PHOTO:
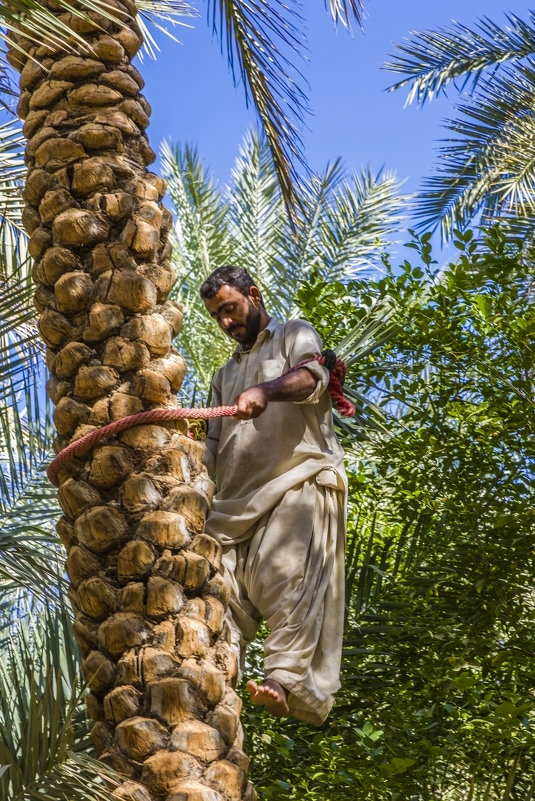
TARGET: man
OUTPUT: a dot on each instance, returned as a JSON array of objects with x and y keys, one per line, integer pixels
[{"x": 279, "y": 508}]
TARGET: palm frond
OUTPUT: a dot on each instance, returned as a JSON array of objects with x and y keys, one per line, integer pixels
[
  {"x": 257, "y": 222},
  {"x": 364, "y": 211},
  {"x": 8, "y": 89},
  {"x": 369, "y": 333},
  {"x": 316, "y": 192},
  {"x": 343, "y": 11},
  {"x": 43, "y": 735},
  {"x": 29, "y": 552},
  {"x": 262, "y": 39},
  {"x": 37, "y": 24},
  {"x": 12, "y": 173},
  {"x": 346, "y": 220},
  {"x": 19, "y": 349},
  {"x": 159, "y": 14},
  {"x": 201, "y": 225},
  {"x": 431, "y": 59},
  {"x": 31, "y": 556},
  {"x": 488, "y": 166},
  {"x": 374, "y": 329}
]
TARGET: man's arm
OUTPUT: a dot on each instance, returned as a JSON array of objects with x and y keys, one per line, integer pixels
[{"x": 295, "y": 386}]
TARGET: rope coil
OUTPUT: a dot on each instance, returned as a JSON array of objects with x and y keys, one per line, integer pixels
[{"x": 89, "y": 440}]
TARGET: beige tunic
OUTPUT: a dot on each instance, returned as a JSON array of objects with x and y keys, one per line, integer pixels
[{"x": 279, "y": 512}]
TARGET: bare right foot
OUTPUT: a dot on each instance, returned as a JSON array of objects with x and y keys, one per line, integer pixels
[{"x": 271, "y": 695}]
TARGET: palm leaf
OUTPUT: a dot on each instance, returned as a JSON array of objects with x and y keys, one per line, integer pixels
[
  {"x": 12, "y": 173},
  {"x": 488, "y": 166},
  {"x": 158, "y": 15},
  {"x": 201, "y": 243},
  {"x": 43, "y": 736},
  {"x": 258, "y": 225},
  {"x": 262, "y": 40},
  {"x": 364, "y": 211},
  {"x": 201, "y": 226},
  {"x": 343, "y": 11},
  {"x": 345, "y": 221},
  {"x": 29, "y": 552},
  {"x": 375, "y": 328},
  {"x": 316, "y": 194},
  {"x": 20, "y": 352},
  {"x": 36, "y": 23},
  {"x": 431, "y": 59}
]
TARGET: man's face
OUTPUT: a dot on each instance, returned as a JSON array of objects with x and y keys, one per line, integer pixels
[{"x": 238, "y": 316}]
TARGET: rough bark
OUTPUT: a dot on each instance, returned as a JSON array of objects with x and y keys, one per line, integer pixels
[{"x": 144, "y": 585}]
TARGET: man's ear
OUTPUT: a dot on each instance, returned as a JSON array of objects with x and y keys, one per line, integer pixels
[{"x": 256, "y": 295}]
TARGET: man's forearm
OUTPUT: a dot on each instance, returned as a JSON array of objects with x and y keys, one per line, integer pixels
[{"x": 295, "y": 386}]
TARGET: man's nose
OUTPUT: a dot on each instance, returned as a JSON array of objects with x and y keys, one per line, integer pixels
[{"x": 225, "y": 322}]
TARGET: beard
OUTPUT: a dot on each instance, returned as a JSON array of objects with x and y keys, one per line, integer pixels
[{"x": 251, "y": 326}]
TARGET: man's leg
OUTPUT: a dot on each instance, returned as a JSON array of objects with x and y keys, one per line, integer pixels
[
  {"x": 294, "y": 576},
  {"x": 241, "y": 616},
  {"x": 243, "y": 620}
]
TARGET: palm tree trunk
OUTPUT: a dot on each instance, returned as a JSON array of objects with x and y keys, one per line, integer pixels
[{"x": 145, "y": 586}]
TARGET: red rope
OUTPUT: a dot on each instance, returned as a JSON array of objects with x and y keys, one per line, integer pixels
[
  {"x": 93, "y": 437},
  {"x": 336, "y": 386}
]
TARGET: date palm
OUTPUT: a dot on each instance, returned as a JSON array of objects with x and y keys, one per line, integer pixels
[
  {"x": 486, "y": 162},
  {"x": 144, "y": 578}
]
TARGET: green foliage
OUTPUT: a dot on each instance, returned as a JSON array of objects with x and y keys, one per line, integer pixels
[
  {"x": 437, "y": 686},
  {"x": 343, "y": 220},
  {"x": 44, "y": 740},
  {"x": 29, "y": 548},
  {"x": 485, "y": 167}
]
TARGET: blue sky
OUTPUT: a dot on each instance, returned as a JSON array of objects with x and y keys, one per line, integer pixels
[{"x": 194, "y": 100}]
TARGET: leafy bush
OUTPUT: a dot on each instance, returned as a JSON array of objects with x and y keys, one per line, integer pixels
[{"x": 437, "y": 699}]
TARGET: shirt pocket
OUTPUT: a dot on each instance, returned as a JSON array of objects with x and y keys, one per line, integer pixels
[{"x": 268, "y": 369}]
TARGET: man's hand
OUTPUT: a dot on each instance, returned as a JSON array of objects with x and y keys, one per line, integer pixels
[{"x": 251, "y": 403}]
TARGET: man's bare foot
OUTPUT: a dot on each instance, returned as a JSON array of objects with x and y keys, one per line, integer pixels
[{"x": 271, "y": 695}]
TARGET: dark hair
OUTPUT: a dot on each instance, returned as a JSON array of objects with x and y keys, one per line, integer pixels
[{"x": 228, "y": 275}]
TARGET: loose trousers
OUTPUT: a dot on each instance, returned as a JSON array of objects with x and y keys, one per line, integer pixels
[{"x": 289, "y": 571}]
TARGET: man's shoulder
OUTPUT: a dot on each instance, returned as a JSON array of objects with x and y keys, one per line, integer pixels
[
  {"x": 296, "y": 327},
  {"x": 297, "y": 323}
]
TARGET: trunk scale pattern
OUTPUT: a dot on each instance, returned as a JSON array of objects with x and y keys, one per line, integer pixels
[{"x": 144, "y": 580}]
